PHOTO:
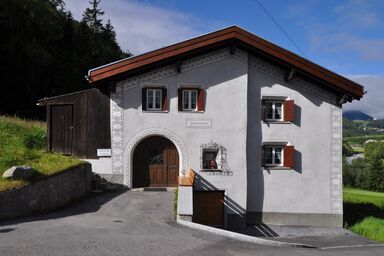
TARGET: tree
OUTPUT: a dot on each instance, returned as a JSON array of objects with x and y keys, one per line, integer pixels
[
  {"x": 92, "y": 16},
  {"x": 46, "y": 52},
  {"x": 360, "y": 171},
  {"x": 376, "y": 174},
  {"x": 348, "y": 177}
]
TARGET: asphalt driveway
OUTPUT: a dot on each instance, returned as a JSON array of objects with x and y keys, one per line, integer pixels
[{"x": 131, "y": 223}]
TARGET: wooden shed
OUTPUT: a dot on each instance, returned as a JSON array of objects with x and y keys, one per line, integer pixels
[{"x": 79, "y": 123}]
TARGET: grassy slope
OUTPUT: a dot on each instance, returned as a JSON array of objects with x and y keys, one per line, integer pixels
[
  {"x": 364, "y": 213},
  {"x": 354, "y": 195},
  {"x": 363, "y": 138},
  {"x": 14, "y": 152}
]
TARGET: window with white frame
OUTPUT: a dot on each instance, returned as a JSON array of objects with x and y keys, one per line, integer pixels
[
  {"x": 154, "y": 99},
  {"x": 189, "y": 100},
  {"x": 273, "y": 110},
  {"x": 273, "y": 155}
]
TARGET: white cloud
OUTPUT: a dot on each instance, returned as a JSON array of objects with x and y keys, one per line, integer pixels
[
  {"x": 366, "y": 48},
  {"x": 357, "y": 14},
  {"x": 372, "y": 103},
  {"x": 141, "y": 27},
  {"x": 351, "y": 27}
]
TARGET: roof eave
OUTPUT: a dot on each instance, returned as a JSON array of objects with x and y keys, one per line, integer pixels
[{"x": 255, "y": 43}]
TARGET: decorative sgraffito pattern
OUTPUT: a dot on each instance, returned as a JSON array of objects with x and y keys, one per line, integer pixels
[
  {"x": 335, "y": 122},
  {"x": 205, "y": 59},
  {"x": 117, "y": 135},
  {"x": 117, "y": 99},
  {"x": 297, "y": 84},
  {"x": 336, "y": 160},
  {"x": 171, "y": 69},
  {"x": 128, "y": 152},
  {"x": 223, "y": 168}
]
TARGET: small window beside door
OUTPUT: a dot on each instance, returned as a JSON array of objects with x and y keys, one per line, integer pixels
[{"x": 212, "y": 157}]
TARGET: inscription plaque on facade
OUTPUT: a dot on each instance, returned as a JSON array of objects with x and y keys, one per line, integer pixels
[{"x": 199, "y": 123}]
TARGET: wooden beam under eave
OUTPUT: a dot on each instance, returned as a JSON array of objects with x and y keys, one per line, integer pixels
[
  {"x": 289, "y": 74},
  {"x": 178, "y": 66}
]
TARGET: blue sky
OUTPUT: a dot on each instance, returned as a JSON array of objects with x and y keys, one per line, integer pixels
[{"x": 346, "y": 37}]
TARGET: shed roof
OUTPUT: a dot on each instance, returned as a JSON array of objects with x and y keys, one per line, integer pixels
[{"x": 233, "y": 36}]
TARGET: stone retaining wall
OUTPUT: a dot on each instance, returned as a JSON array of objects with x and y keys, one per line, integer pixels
[{"x": 48, "y": 194}]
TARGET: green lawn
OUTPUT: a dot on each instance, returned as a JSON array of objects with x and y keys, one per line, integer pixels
[
  {"x": 23, "y": 142},
  {"x": 358, "y": 149},
  {"x": 364, "y": 213},
  {"x": 361, "y": 139},
  {"x": 354, "y": 195}
]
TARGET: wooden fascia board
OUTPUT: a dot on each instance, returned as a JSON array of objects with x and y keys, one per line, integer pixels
[
  {"x": 233, "y": 33},
  {"x": 151, "y": 57},
  {"x": 302, "y": 64}
]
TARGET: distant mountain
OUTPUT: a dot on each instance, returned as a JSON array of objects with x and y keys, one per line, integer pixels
[{"x": 356, "y": 115}]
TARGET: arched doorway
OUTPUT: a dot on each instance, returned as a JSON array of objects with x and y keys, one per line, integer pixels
[{"x": 155, "y": 163}]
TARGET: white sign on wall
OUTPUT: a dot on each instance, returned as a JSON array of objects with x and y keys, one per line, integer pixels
[
  {"x": 104, "y": 152},
  {"x": 199, "y": 123}
]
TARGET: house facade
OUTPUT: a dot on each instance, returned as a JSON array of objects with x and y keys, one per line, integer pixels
[{"x": 260, "y": 126}]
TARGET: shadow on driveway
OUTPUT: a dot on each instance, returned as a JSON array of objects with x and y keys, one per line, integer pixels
[{"x": 89, "y": 204}]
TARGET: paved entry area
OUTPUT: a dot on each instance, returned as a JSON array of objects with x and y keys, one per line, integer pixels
[
  {"x": 131, "y": 223},
  {"x": 321, "y": 237}
]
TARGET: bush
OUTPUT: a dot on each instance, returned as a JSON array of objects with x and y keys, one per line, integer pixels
[
  {"x": 347, "y": 150},
  {"x": 36, "y": 139},
  {"x": 370, "y": 227}
]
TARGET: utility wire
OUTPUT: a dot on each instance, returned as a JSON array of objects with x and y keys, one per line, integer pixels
[{"x": 279, "y": 27}]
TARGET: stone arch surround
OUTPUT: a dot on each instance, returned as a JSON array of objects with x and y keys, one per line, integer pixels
[{"x": 140, "y": 136}]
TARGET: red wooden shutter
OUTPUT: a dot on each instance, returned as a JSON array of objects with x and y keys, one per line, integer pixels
[
  {"x": 144, "y": 98},
  {"x": 289, "y": 156},
  {"x": 289, "y": 111},
  {"x": 262, "y": 110},
  {"x": 164, "y": 94},
  {"x": 200, "y": 100},
  {"x": 180, "y": 99}
]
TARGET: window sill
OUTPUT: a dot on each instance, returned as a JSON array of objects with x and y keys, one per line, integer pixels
[
  {"x": 211, "y": 170},
  {"x": 276, "y": 168},
  {"x": 155, "y": 111},
  {"x": 191, "y": 111},
  {"x": 275, "y": 122}
]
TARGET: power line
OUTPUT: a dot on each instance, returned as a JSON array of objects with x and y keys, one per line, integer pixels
[{"x": 280, "y": 27}]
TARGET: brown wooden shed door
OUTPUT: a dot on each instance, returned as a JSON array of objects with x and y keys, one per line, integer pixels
[
  {"x": 208, "y": 208},
  {"x": 61, "y": 122},
  {"x": 155, "y": 163}
]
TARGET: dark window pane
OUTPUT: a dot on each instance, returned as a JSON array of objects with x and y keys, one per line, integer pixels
[
  {"x": 268, "y": 155},
  {"x": 155, "y": 156},
  {"x": 268, "y": 110},
  {"x": 278, "y": 151},
  {"x": 209, "y": 159},
  {"x": 185, "y": 99},
  {"x": 278, "y": 110},
  {"x": 193, "y": 99}
]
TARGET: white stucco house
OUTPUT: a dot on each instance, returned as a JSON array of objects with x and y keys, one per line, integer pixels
[{"x": 260, "y": 126}]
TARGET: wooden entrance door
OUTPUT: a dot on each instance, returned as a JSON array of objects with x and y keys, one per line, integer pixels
[
  {"x": 155, "y": 163},
  {"x": 208, "y": 208},
  {"x": 61, "y": 122}
]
